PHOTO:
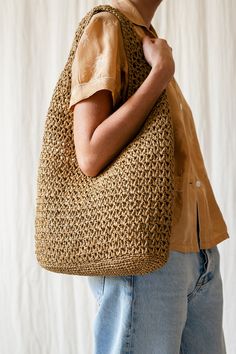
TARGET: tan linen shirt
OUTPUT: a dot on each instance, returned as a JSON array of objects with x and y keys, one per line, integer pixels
[{"x": 100, "y": 63}]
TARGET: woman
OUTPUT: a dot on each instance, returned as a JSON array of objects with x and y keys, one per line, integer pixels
[{"x": 177, "y": 308}]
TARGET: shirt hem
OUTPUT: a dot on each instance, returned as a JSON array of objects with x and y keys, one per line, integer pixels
[{"x": 205, "y": 245}]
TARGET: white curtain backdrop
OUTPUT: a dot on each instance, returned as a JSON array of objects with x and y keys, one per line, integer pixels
[{"x": 47, "y": 313}]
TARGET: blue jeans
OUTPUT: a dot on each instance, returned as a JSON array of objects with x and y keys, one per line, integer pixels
[{"x": 175, "y": 309}]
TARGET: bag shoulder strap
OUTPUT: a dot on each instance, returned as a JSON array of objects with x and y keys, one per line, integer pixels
[{"x": 138, "y": 67}]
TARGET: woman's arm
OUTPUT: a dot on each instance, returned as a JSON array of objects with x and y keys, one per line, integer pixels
[{"x": 100, "y": 133}]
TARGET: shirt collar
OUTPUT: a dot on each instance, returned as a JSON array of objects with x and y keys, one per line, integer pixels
[{"x": 130, "y": 11}]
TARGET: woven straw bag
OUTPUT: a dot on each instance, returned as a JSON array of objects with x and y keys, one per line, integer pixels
[{"x": 119, "y": 222}]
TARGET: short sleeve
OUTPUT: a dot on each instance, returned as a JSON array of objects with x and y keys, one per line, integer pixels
[{"x": 97, "y": 62}]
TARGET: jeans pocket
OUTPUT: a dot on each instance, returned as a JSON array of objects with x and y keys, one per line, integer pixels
[{"x": 96, "y": 285}]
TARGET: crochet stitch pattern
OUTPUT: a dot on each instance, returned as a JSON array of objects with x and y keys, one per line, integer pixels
[{"x": 118, "y": 222}]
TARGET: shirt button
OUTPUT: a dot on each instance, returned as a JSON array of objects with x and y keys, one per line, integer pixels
[
  {"x": 198, "y": 183},
  {"x": 181, "y": 106}
]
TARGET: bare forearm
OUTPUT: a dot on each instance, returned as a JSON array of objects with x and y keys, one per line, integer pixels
[{"x": 121, "y": 126}]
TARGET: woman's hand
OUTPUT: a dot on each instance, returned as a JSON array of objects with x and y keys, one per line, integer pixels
[{"x": 159, "y": 55}]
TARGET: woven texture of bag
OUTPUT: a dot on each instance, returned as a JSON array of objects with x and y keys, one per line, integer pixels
[{"x": 119, "y": 222}]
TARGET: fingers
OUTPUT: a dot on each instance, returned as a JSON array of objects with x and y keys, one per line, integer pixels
[
  {"x": 146, "y": 37},
  {"x": 154, "y": 39}
]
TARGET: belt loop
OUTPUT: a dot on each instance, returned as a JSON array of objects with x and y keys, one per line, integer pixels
[{"x": 206, "y": 259}]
